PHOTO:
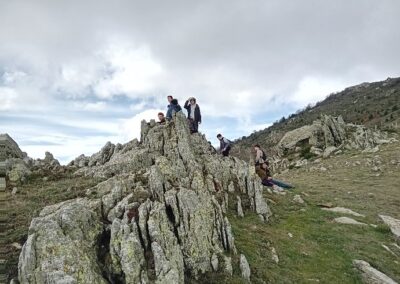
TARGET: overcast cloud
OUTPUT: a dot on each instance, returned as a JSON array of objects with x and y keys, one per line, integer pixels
[{"x": 76, "y": 74}]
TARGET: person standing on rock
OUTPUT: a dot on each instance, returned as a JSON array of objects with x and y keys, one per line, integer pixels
[
  {"x": 194, "y": 115},
  {"x": 225, "y": 145},
  {"x": 173, "y": 107},
  {"x": 161, "y": 118}
]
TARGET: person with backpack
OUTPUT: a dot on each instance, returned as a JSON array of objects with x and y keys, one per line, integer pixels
[
  {"x": 261, "y": 157},
  {"x": 173, "y": 107},
  {"x": 194, "y": 115},
  {"x": 225, "y": 145}
]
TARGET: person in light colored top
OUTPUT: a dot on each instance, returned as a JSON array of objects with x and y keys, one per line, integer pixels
[
  {"x": 224, "y": 145},
  {"x": 194, "y": 114}
]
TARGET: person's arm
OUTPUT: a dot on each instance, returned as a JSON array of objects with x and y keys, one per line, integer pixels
[
  {"x": 258, "y": 155},
  {"x": 187, "y": 106},
  {"x": 199, "y": 113}
]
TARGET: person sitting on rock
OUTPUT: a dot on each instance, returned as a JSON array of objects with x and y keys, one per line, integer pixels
[
  {"x": 261, "y": 157},
  {"x": 172, "y": 108},
  {"x": 266, "y": 178},
  {"x": 194, "y": 115},
  {"x": 225, "y": 145},
  {"x": 161, "y": 118}
]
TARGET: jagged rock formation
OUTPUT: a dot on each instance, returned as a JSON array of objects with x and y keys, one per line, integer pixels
[
  {"x": 160, "y": 217},
  {"x": 16, "y": 165},
  {"x": 325, "y": 137},
  {"x": 331, "y": 132}
]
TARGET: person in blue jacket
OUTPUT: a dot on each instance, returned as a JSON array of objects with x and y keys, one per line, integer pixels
[
  {"x": 173, "y": 107},
  {"x": 194, "y": 114}
]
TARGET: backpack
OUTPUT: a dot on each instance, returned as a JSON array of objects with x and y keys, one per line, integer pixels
[{"x": 264, "y": 156}]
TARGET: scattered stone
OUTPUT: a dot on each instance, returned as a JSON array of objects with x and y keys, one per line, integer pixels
[
  {"x": 275, "y": 256},
  {"x": 370, "y": 274},
  {"x": 371, "y": 150},
  {"x": 297, "y": 199},
  {"x": 348, "y": 221},
  {"x": 323, "y": 169},
  {"x": 290, "y": 235},
  {"x": 16, "y": 246},
  {"x": 214, "y": 262},
  {"x": 343, "y": 211},
  {"x": 329, "y": 151},
  {"x": 45, "y": 178},
  {"x": 326, "y": 205},
  {"x": 244, "y": 268},
  {"x": 388, "y": 249},
  {"x": 14, "y": 191},
  {"x": 375, "y": 169},
  {"x": 239, "y": 207},
  {"x": 394, "y": 225}
]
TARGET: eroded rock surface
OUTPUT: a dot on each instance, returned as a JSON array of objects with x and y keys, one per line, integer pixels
[{"x": 160, "y": 217}]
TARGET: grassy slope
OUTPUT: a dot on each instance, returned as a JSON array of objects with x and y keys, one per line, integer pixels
[{"x": 320, "y": 249}]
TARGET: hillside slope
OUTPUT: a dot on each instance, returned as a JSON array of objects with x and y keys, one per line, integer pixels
[{"x": 371, "y": 104}]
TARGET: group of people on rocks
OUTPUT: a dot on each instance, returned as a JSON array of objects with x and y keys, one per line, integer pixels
[{"x": 194, "y": 119}]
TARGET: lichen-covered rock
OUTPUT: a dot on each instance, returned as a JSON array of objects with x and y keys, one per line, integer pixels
[
  {"x": 160, "y": 217},
  {"x": 62, "y": 245}
]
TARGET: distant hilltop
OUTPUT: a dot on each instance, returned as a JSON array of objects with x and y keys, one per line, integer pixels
[{"x": 9, "y": 148}]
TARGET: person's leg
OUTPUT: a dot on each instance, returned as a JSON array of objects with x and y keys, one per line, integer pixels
[
  {"x": 191, "y": 127},
  {"x": 281, "y": 184},
  {"x": 195, "y": 126}
]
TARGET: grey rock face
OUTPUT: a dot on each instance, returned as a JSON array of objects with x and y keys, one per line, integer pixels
[
  {"x": 244, "y": 268},
  {"x": 371, "y": 275},
  {"x": 158, "y": 218},
  {"x": 394, "y": 225},
  {"x": 329, "y": 132}
]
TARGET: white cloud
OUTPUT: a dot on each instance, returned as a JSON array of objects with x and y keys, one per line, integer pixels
[
  {"x": 133, "y": 71},
  {"x": 97, "y": 106},
  {"x": 312, "y": 89},
  {"x": 8, "y": 97}
]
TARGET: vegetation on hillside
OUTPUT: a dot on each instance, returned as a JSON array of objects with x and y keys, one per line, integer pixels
[{"x": 371, "y": 104}]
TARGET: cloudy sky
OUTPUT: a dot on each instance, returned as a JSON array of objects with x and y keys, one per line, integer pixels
[{"x": 76, "y": 74}]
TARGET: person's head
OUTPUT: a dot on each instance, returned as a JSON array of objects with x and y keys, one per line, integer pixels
[
  {"x": 161, "y": 116},
  {"x": 174, "y": 101},
  {"x": 219, "y": 136},
  {"x": 257, "y": 147},
  {"x": 192, "y": 101},
  {"x": 169, "y": 98}
]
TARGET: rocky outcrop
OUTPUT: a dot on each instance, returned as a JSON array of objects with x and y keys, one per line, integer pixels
[
  {"x": 371, "y": 275},
  {"x": 394, "y": 225},
  {"x": 328, "y": 134},
  {"x": 160, "y": 217},
  {"x": 328, "y": 131}
]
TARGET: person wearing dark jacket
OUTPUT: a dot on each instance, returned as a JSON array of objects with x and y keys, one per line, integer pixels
[
  {"x": 194, "y": 115},
  {"x": 225, "y": 145},
  {"x": 173, "y": 107}
]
